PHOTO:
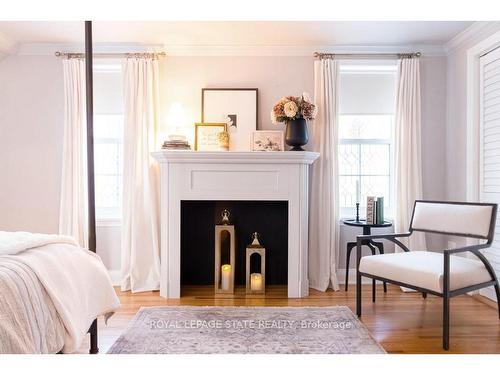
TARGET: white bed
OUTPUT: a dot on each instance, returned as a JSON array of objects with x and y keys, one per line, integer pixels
[{"x": 51, "y": 291}]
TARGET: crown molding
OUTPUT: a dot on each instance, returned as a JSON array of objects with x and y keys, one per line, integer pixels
[
  {"x": 295, "y": 50},
  {"x": 48, "y": 49},
  {"x": 41, "y": 49},
  {"x": 474, "y": 33}
]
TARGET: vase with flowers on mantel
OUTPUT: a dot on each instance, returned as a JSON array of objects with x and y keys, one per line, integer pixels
[{"x": 294, "y": 111}]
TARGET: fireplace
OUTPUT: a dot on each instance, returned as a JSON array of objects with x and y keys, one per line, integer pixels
[
  {"x": 280, "y": 178},
  {"x": 268, "y": 218}
]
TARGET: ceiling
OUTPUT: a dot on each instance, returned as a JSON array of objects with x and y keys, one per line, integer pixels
[
  {"x": 239, "y": 33},
  {"x": 261, "y": 33}
]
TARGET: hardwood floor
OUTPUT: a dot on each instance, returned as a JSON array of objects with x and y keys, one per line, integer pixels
[{"x": 400, "y": 322}]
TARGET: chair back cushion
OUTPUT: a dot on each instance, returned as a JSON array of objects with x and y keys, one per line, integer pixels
[{"x": 457, "y": 218}]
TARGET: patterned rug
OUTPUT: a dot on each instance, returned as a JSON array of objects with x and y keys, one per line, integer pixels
[{"x": 263, "y": 330}]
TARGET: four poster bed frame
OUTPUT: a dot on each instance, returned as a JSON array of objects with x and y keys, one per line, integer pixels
[{"x": 89, "y": 84}]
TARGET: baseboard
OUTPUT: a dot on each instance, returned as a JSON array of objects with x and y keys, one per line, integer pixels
[
  {"x": 352, "y": 277},
  {"x": 115, "y": 276}
]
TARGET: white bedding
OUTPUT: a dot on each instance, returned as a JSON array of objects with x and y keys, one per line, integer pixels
[{"x": 75, "y": 279}]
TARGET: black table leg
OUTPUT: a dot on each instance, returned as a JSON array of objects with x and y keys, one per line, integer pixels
[
  {"x": 350, "y": 246},
  {"x": 380, "y": 247},
  {"x": 372, "y": 248}
]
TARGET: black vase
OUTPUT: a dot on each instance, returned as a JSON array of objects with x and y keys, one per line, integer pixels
[{"x": 296, "y": 134}]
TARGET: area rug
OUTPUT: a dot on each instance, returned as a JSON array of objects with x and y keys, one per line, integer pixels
[{"x": 242, "y": 330}]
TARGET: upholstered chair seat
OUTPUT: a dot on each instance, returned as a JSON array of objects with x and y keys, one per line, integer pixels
[{"x": 424, "y": 269}]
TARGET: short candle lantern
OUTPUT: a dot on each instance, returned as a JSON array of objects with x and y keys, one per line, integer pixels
[
  {"x": 256, "y": 281},
  {"x": 224, "y": 268}
]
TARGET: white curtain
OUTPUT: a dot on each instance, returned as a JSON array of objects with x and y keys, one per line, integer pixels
[
  {"x": 324, "y": 203},
  {"x": 140, "y": 230},
  {"x": 73, "y": 209},
  {"x": 407, "y": 148}
]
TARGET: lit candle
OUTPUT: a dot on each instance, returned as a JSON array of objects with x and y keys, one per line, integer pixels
[
  {"x": 255, "y": 282},
  {"x": 225, "y": 276}
]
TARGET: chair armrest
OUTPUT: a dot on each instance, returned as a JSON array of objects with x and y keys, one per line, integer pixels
[{"x": 472, "y": 248}]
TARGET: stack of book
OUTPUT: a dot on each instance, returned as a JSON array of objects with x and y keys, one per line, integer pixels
[
  {"x": 176, "y": 145},
  {"x": 375, "y": 210}
]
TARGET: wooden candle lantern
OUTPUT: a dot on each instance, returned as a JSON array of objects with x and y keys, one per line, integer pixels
[
  {"x": 256, "y": 281},
  {"x": 224, "y": 268}
]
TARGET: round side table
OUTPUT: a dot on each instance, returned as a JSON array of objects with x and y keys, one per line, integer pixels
[{"x": 370, "y": 243}]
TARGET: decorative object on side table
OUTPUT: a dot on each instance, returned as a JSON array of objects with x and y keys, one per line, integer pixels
[
  {"x": 375, "y": 210},
  {"x": 206, "y": 136},
  {"x": 224, "y": 263},
  {"x": 295, "y": 111},
  {"x": 256, "y": 279},
  {"x": 267, "y": 140},
  {"x": 237, "y": 107}
]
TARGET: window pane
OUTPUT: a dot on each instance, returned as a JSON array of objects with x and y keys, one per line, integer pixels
[
  {"x": 365, "y": 126},
  {"x": 108, "y": 126},
  {"x": 347, "y": 191},
  {"x": 377, "y": 186},
  {"x": 107, "y": 191},
  {"x": 375, "y": 159},
  {"x": 107, "y": 158},
  {"x": 349, "y": 159}
]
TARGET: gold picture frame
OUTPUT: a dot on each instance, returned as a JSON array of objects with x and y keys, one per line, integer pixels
[{"x": 205, "y": 135}]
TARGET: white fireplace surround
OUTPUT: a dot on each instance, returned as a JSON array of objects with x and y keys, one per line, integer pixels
[{"x": 239, "y": 176}]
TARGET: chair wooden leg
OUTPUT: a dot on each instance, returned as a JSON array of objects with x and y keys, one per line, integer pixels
[
  {"x": 380, "y": 247},
  {"x": 446, "y": 302},
  {"x": 358, "y": 280},
  {"x": 446, "y": 322},
  {"x": 497, "y": 291}
]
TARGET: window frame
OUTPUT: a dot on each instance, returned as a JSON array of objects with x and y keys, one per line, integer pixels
[
  {"x": 111, "y": 66},
  {"x": 370, "y": 67}
]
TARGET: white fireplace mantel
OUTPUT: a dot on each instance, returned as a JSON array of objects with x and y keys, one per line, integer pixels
[{"x": 265, "y": 176}]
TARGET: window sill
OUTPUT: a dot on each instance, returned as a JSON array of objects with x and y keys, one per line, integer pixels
[{"x": 108, "y": 222}]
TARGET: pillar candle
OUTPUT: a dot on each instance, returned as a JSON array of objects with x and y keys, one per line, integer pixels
[
  {"x": 225, "y": 276},
  {"x": 255, "y": 282}
]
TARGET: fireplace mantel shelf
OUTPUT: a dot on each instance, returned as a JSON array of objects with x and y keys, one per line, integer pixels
[
  {"x": 254, "y": 157},
  {"x": 234, "y": 176}
]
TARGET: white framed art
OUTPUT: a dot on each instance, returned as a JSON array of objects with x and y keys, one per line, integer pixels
[
  {"x": 237, "y": 107},
  {"x": 267, "y": 140}
]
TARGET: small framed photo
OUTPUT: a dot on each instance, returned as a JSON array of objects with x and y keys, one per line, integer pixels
[
  {"x": 267, "y": 140},
  {"x": 205, "y": 135}
]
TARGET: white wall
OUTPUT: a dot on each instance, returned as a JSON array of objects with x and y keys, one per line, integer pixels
[
  {"x": 182, "y": 79},
  {"x": 31, "y": 133},
  {"x": 31, "y": 125}
]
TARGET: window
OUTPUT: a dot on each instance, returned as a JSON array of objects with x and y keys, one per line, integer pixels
[
  {"x": 366, "y": 136},
  {"x": 108, "y": 141}
]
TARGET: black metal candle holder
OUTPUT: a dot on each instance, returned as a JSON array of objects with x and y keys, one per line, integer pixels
[{"x": 357, "y": 212}]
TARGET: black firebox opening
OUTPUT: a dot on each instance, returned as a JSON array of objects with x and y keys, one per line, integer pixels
[{"x": 198, "y": 220}]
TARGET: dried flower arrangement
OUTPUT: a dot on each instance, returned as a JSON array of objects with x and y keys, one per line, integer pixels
[{"x": 293, "y": 107}]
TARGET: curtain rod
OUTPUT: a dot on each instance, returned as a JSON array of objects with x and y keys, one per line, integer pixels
[
  {"x": 366, "y": 55},
  {"x": 72, "y": 55}
]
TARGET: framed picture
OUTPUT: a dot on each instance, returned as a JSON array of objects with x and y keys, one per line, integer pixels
[
  {"x": 237, "y": 107},
  {"x": 205, "y": 136},
  {"x": 267, "y": 140}
]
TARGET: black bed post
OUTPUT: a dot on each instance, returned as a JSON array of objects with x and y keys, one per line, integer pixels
[{"x": 94, "y": 349}]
